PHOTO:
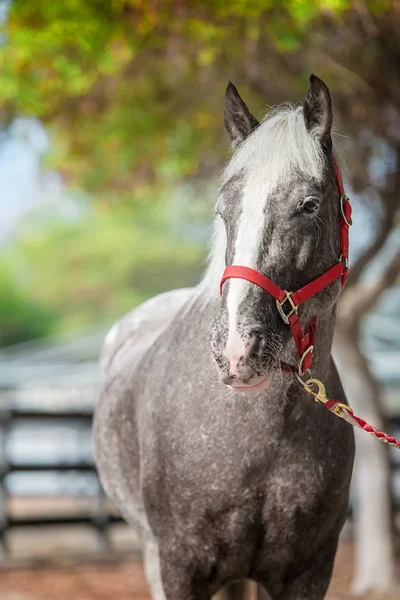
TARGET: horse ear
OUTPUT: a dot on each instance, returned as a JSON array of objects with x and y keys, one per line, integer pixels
[
  {"x": 317, "y": 111},
  {"x": 239, "y": 121}
]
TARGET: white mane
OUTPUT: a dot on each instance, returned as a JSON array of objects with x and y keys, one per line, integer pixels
[{"x": 279, "y": 146}]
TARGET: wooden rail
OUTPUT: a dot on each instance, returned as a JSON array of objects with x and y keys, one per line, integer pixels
[{"x": 97, "y": 516}]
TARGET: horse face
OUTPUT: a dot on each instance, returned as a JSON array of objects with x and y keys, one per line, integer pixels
[{"x": 279, "y": 208}]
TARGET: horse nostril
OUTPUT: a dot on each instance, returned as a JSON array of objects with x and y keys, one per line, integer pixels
[
  {"x": 255, "y": 350},
  {"x": 257, "y": 345}
]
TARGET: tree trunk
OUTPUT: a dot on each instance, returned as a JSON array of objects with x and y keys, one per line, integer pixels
[{"x": 374, "y": 555}]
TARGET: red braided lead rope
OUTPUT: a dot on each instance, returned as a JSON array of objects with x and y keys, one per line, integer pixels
[
  {"x": 350, "y": 417},
  {"x": 344, "y": 412}
]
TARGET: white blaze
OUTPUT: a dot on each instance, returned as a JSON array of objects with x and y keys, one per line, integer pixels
[
  {"x": 247, "y": 245},
  {"x": 280, "y": 145}
]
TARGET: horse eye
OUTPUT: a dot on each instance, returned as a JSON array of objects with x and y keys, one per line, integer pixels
[{"x": 309, "y": 205}]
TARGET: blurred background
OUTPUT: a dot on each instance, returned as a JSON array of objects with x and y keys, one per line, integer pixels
[{"x": 111, "y": 145}]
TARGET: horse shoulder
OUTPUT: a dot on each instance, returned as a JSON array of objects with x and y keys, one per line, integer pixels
[{"x": 115, "y": 428}]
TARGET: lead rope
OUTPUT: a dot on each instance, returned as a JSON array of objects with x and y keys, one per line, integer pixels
[{"x": 316, "y": 388}]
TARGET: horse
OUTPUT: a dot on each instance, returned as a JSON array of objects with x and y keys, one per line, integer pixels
[{"x": 204, "y": 439}]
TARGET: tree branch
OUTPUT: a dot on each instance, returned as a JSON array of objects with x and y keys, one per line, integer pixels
[
  {"x": 371, "y": 294},
  {"x": 390, "y": 201},
  {"x": 362, "y": 298},
  {"x": 388, "y": 223}
]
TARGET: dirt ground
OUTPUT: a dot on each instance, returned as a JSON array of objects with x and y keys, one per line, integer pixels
[{"x": 122, "y": 581}]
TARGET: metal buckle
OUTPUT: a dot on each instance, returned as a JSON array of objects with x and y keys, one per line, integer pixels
[
  {"x": 344, "y": 198},
  {"x": 344, "y": 262},
  {"x": 320, "y": 393},
  {"x": 300, "y": 367},
  {"x": 341, "y": 406},
  {"x": 293, "y": 309}
]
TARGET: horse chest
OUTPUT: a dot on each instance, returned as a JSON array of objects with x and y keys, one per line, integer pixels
[
  {"x": 249, "y": 482},
  {"x": 239, "y": 507}
]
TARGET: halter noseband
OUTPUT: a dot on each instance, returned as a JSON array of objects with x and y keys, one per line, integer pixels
[{"x": 287, "y": 303}]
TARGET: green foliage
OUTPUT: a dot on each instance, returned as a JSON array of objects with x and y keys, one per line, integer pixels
[
  {"x": 133, "y": 88},
  {"x": 131, "y": 93},
  {"x": 21, "y": 319},
  {"x": 95, "y": 270}
]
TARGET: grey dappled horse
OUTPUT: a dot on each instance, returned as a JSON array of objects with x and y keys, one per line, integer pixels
[{"x": 220, "y": 459}]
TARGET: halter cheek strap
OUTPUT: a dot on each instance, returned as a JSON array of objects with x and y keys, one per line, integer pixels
[{"x": 287, "y": 303}]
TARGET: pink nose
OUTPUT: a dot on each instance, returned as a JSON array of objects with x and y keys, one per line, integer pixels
[{"x": 238, "y": 355}]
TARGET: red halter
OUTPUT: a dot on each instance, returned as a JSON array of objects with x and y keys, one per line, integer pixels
[{"x": 287, "y": 303}]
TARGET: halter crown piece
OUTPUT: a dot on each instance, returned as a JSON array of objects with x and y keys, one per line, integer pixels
[{"x": 287, "y": 304}]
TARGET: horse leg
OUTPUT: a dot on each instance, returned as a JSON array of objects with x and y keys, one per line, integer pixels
[
  {"x": 233, "y": 591},
  {"x": 152, "y": 570},
  {"x": 261, "y": 593},
  {"x": 182, "y": 580},
  {"x": 313, "y": 582},
  {"x": 239, "y": 590},
  {"x": 242, "y": 590}
]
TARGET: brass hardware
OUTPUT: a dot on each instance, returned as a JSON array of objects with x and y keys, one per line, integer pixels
[
  {"x": 344, "y": 260},
  {"x": 343, "y": 199},
  {"x": 320, "y": 394},
  {"x": 293, "y": 309},
  {"x": 306, "y": 351},
  {"x": 339, "y": 406}
]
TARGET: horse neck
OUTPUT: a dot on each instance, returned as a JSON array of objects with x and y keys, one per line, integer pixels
[{"x": 323, "y": 343}]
